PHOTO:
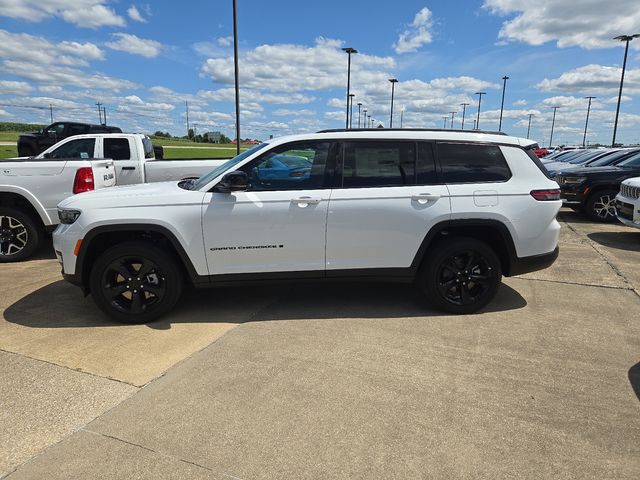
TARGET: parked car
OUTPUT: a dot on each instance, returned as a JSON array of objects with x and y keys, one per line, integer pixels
[
  {"x": 134, "y": 157},
  {"x": 593, "y": 158},
  {"x": 541, "y": 152},
  {"x": 33, "y": 143},
  {"x": 628, "y": 202},
  {"x": 30, "y": 191},
  {"x": 593, "y": 189},
  {"x": 443, "y": 209}
]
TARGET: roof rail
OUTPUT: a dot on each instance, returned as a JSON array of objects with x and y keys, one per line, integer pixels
[{"x": 339, "y": 130}]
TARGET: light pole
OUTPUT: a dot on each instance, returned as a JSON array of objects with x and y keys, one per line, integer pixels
[
  {"x": 453, "y": 114},
  {"x": 359, "y": 106},
  {"x": 553, "y": 122},
  {"x": 235, "y": 67},
  {"x": 393, "y": 85},
  {"x": 348, "y": 51},
  {"x": 51, "y": 112},
  {"x": 401, "y": 116},
  {"x": 477, "y": 127},
  {"x": 584, "y": 138},
  {"x": 464, "y": 108},
  {"x": 364, "y": 119},
  {"x": 504, "y": 87},
  {"x": 627, "y": 39},
  {"x": 351, "y": 95},
  {"x": 529, "y": 127},
  {"x": 369, "y": 122}
]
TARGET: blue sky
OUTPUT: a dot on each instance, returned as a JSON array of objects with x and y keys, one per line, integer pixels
[{"x": 144, "y": 60}]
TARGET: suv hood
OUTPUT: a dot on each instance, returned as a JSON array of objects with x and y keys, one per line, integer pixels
[
  {"x": 29, "y": 134},
  {"x": 147, "y": 194},
  {"x": 578, "y": 172},
  {"x": 632, "y": 182}
]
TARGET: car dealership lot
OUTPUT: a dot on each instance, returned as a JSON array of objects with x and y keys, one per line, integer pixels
[{"x": 279, "y": 382}]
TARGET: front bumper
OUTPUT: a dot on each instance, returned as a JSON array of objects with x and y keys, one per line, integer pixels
[{"x": 628, "y": 211}]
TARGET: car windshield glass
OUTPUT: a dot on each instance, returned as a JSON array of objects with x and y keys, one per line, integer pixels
[
  {"x": 633, "y": 161},
  {"x": 585, "y": 157},
  {"x": 609, "y": 158},
  {"x": 228, "y": 165}
]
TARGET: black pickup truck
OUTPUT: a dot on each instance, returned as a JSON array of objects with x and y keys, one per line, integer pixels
[
  {"x": 593, "y": 190},
  {"x": 32, "y": 143}
]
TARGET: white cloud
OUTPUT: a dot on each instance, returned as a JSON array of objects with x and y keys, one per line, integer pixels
[
  {"x": 593, "y": 80},
  {"x": 587, "y": 23},
  {"x": 133, "y": 103},
  {"x": 134, "y": 45},
  {"x": 8, "y": 87},
  {"x": 225, "y": 41},
  {"x": 85, "y": 50},
  {"x": 416, "y": 34},
  {"x": 82, "y": 13},
  {"x": 134, "y": 14},
  {"x": 285, "y": 112},
  {"x": 520, "y": 103},
  {"x": 228, "y": 95}
]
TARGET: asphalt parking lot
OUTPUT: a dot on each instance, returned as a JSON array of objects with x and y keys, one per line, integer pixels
[{"x": 340, "y": 381}]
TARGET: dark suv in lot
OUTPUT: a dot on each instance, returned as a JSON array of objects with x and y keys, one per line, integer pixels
[
  {"x": 32, "y": 143},
  {"x": 594, "y": 189}
]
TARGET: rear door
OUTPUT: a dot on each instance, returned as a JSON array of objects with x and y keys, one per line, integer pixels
[
  {"x": 125, "y": 158},
  {"x": 387, "y": 198}
]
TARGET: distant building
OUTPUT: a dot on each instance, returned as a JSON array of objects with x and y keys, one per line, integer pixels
[{"x": 213, "y": 136}]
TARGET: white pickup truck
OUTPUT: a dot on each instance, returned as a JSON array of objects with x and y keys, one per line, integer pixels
[
  {"x": 133, "y": 157},
  {"x": 30, "y": 190}
]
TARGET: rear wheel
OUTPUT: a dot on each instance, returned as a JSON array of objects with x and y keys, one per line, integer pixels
[
  {"x": 19, "y": 235},
  {"x": 601, "y": 206},
  {"x": 460, "y": 276},
  {"x": 135, "y": 282}
]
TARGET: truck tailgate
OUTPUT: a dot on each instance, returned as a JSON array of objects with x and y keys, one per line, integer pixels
[{"x": 104, "y": 174}]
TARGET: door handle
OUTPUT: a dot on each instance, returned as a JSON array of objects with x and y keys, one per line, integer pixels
[
  {"x": 128, "y": 168},
  {"x": 304, "y": 201},
  {"x": 423, "y": 198}
]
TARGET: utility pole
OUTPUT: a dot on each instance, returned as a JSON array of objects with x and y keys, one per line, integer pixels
[
  {"x": 51, "y": 112},
  {"x": 477, "y": 127},
  {"x": 453, "y": 114},
  {"x": 186, "y": 106},
  {"x": 584, "y": 138},
  {"x": 504, "y": 87},
  {"x": 553, "y": 122},
  {"x": 445, "y": 118},
  {"x": 622, "y": 38},
  {"x": 99, "y": 111},
  {"x": 104, "y": 110},
  {"x": 235, "y": 68},
  {"x": 529, "y": 127},
  {"x": 464, "y": 108}
]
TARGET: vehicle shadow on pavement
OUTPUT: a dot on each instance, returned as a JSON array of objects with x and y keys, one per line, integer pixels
[
  {"x": 60, "y": 305},
  {"x": 629, "y": 241},
  {"x": 634, "y": 379}
]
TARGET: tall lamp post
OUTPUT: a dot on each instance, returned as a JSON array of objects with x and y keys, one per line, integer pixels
[
  {"x": 393, "y": 85},
  {"x": 529, "y": 127},
  {"x": 504, "y": 87},
  {"x": 453, "y": 114},
  {"x": 401, "y": 116},
  {"x": 359, "y": 106},
  {"x": 464, "y": 108},
  {"x": 584, "y": 138},
  {"x": 364, "y": 119},
  {"x": 235, "y": 66},
  {"x": 627, "y": 39},
  {"x": 369, "y": 121},
  {"x": 477, "y": 126},
  {"x": 348, "y": 51},
  {"x": 351, "y": 95},
  {"x": 553, "y": 122}
]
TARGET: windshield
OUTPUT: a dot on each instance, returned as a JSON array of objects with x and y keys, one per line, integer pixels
[
  {"x": 633, "y": 161},
  {"x": 610, "y": 157},
  {"x": 585, "y": 157},
  {"x": 228, "y": 165}
]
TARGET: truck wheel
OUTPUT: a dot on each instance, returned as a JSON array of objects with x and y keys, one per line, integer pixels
[
  {"x": 601, "y": 206},
  {"x": 19, "y": 235},
  {"x": 460, "y": 276},
  {"x": 135, "y": 282}
]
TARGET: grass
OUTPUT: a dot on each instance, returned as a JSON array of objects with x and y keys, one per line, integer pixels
[
  {"x": 8, "y": 151},
  {"x": 181, "y": 142},
  {"x": 9, "y": 136},
  {"x": 170, "y": 153}
]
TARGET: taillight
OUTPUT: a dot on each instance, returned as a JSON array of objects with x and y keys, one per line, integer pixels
[
  {"x": 546, "y": 195},
  {"x": 84, "y": 180}
]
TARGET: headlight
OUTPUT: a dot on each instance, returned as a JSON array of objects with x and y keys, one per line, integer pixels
[
  {"x": 574, "y": 180},
  {"x": 68, "y": 216}
]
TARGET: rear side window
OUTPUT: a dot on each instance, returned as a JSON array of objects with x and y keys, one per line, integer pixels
[
  {"x": 379, "y": 164},
  {"x": 117, "y": 149},
  {"x": 471, "y": 163}
]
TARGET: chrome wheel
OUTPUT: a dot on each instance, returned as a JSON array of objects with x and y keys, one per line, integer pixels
[
  {"x": 604, "y": 207},
  {"x": 13, "y": 236}
]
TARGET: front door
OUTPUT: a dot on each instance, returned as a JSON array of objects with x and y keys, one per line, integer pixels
[{"x": 278, "y": 224}]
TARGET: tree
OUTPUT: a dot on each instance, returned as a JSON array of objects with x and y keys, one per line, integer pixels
[{"x": 191, "y": 133}]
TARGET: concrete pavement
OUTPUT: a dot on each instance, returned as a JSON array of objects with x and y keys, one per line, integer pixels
[{"x": 359, "y": 381}]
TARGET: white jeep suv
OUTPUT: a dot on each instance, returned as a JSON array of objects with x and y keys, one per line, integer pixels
[
  {"x": 450, "y": 210},
  {"x": 628, "y": 202}
]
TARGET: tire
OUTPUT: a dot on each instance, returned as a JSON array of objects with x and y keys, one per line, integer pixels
[
  {"x": 450, "y": 274},
  {"x": 127, "y": 298},
  {"x": 20, "y": 235},
  {"x": 601, "y": 205}
]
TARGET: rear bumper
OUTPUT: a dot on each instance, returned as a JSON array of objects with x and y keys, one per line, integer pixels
[{"x": 522, "y": 265}]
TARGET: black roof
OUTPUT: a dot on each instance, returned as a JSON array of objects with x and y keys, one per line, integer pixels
[{"x": 339, "y": 130}]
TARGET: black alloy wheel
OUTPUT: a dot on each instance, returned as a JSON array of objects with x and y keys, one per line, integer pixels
[
  {"x": 19, "y": 235},
  {"x": 461, "y": 275},
  {"x": 136, "y": 282}
]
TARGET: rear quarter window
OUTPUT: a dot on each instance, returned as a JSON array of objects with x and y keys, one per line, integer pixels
[{"x": 472, "y": 163}]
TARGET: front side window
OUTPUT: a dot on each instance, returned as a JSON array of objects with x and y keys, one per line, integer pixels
[
  {"x": 378, "y": 164},
  {"x": 117, "y": 149},
  {"x": 80, "y": 148},
  {"x": 298, "y": 166},
  {"x": 472, "y": 163}
]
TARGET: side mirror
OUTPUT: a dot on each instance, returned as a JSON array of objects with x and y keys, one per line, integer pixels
[{"x": 233, "y": 182}]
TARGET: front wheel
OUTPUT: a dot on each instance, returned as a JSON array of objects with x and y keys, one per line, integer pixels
[
  {"x": 19, "y": 235},
  {"x": 135, "y": 282},
  {"x": 601, "y": 206},
  {"x": 460, "y": 276}
]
